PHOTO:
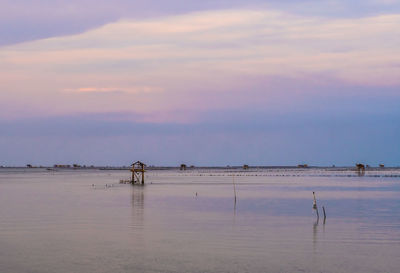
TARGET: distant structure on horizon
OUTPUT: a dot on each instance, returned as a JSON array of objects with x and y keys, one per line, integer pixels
[
  {"x": 302, "y": 166},
  {"x": 360, "y": 169},
  {"x": 183, "y": 167},
  {"x": 61, "y": 166}
]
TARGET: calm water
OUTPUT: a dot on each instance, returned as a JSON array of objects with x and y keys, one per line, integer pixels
[{"x": 58, "y": 222}]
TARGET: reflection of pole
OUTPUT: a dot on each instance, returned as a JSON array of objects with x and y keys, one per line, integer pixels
[
  {"x": 315, "y": 201},
  {"x": 323, "y": 209},
  {"x": 315, "y": 231}
]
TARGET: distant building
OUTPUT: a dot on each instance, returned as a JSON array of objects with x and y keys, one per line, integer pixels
[
  {"x": 245, "y": 167},
  {"x": 61, "y": 166},
  {"x": 302, "y": 166},
  {"x": 360, "y": 169},
  {"x": 183, "y": 167}
]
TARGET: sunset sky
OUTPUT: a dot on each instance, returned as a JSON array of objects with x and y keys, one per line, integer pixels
[{"x": 200, "y": 82}]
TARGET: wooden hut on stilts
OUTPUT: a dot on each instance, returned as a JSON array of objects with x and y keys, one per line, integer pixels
[{"x": 138, "y": 171}]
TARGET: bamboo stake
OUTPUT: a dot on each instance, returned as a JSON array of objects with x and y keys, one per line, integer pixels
[
  {"x": 234, "y": 187},
  {"x": 315, "y": 205},
  {"x": 315, "y": 201}
]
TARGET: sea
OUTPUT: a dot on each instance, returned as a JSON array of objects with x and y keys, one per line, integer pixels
[{"x": 199, "y": 220}]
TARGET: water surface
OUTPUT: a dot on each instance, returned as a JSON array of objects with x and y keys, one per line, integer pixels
[{"x": 57, "y": 221}]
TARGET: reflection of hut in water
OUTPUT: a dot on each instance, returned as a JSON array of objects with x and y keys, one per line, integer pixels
[
  {"x": 183, "y": 167},
  {"x": 360, "y": 169},
  {"x": 245, "y": 167},
  {"x": 138, "y": 198},
  {"x": 138, "y": 207},
  {"x": 138, "y": 172}
]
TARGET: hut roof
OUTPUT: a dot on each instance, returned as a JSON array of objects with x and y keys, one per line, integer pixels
[{"x": 139, "y": 163}]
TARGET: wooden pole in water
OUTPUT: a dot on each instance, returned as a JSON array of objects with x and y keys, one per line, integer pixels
[
  {"x": 315, "y": 205},
  {"x": 133, "y": 174},
  {"x": 323, "y": 209},
  {"x": 142, "y": 174},
  {"x": 315, "y": 201},
  {"x": 234, "y": 187}
]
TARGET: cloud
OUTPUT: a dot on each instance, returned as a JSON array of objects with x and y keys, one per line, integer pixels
[
  {"x": 384, "y": 2},
  {"x": 113, "y": 90},
  {"x": 225, "y": 59},
  {"x": 246, "y": 41},
  {"x": 22, "y": 21}
]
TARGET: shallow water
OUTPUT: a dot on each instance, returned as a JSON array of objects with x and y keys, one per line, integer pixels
[{"x": 56, "y": 221}]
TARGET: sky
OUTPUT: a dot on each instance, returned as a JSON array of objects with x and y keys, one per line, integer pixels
[{"x": 206, "y": 83}]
